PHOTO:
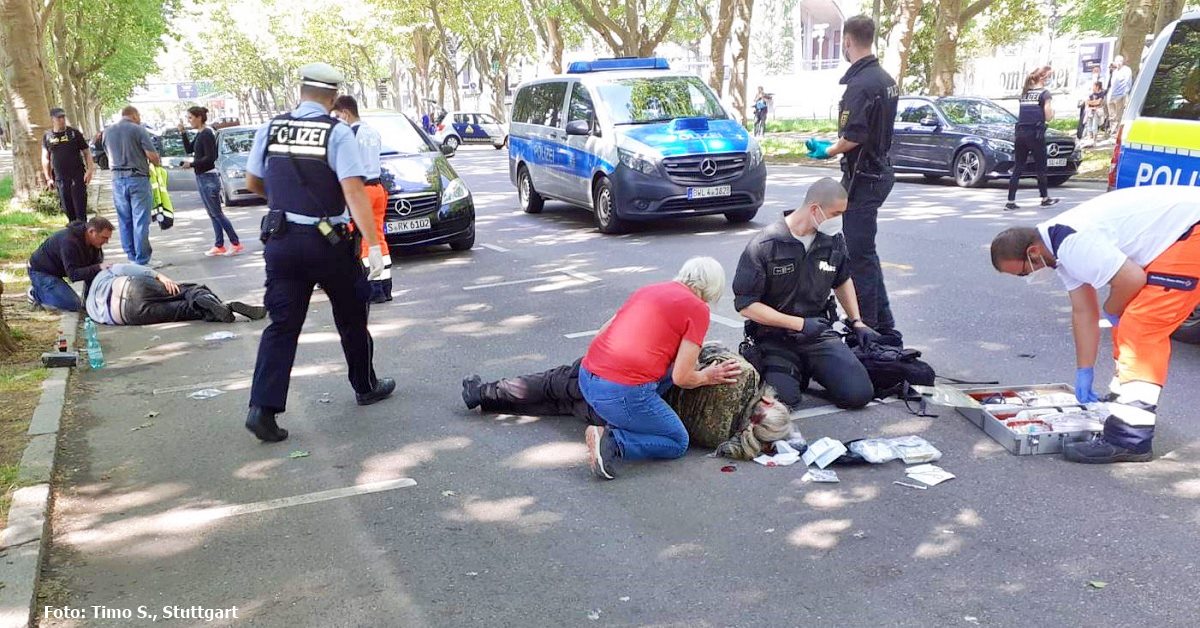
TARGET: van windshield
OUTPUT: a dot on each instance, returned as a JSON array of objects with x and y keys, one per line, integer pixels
[
  {"x": 1175, "y": 87},
  {"x": 645, "y": 100}
]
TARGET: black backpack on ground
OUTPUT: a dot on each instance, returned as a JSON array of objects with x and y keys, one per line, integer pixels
[{"x": 894, "y": 371}]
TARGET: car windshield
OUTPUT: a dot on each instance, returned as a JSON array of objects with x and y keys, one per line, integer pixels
[
  {"x": 233, "y": 142},
  {"x": 172, "y": 143},
  {"x": 400, "y": 137},
  {"x": 971, "y": 111},
  {"x": 645, "y": 100}
]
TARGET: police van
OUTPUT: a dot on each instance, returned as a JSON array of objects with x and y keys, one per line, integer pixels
[
  {"x": 631, "y": 139},
  {"x": 1158, "y": 142}
]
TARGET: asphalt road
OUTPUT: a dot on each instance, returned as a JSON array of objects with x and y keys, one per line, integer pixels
[{"x": 167, "y": 500}]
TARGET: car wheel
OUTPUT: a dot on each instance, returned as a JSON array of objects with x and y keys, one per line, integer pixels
[
  {"x": 1057, "y": 181},
  {"x": 452, "y": 141},
  {"x": 1189, "y": 331},
  {"x": 605, "y": 210},
  {"x": 225, "y": 198},
  {"x": 933, "y": 178},
  {"x": 531, "y": 201},
  {"x": 741, "y": 215},
  {"x": 464, "y": 243},
  {"x": 968, "y": 168}
]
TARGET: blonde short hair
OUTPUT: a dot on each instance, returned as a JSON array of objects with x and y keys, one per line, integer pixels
[{"x": 705, "y": 276}]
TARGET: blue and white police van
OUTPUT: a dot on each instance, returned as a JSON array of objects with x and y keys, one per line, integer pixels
[{"x": 632, "y": 140}]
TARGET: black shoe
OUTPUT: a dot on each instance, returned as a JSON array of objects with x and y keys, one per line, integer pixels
[
  {"x": 470, "y": 391},
  {"x": 602, "y": 452},
  {"x": 1048, "y": 201},
  {"x": 1009, "y": 206},
  {"x": 261, "y": 423},
  {"x": 1100, "y": 451},
  {"x": 252, "y": 312},
  {"x": 214, "y": 308},
  {"x": 383, "y": 389}
]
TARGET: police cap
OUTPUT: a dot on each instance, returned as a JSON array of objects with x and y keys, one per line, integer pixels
[{"x": 321, "y": 75}]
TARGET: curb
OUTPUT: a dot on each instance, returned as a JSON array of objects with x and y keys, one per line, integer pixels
[{"x": 27, "y": 536}]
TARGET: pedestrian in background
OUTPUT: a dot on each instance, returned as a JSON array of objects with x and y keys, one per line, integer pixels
[
  {"x": 761, "y": 106},
  {"x": 208, "y": 180},
  {"x": 1095, "y": 110},
  {"x": 1030, "y": 137},
  {"x": 1118, "y": 90},
  {"x": 67, "y": 165},
  {"x": 130, "y": 153},
  {"x": 309, "y": 168},
  {"x": 345, "y": 108}
]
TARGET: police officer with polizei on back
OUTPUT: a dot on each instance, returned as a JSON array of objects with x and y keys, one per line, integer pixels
[
  {"x": 308, "y": 166},
  {"x": 866, "y": 117}
]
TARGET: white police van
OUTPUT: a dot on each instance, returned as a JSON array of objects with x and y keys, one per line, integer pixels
[{"x": 632, "y": 140}]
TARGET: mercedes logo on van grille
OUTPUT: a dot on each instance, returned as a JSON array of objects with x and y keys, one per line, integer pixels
[
  {"x": 708, "y": 167},
  {"x": 1052, "y": 150},
  {"x": 403, "y": 207}
]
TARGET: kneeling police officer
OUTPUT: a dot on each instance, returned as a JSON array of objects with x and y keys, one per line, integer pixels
[
  {"x": 308, "y": 166},
  {"x": 782, "y": 285}
]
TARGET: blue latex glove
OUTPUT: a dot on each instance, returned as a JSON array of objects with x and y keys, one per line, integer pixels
[
  {"x": 1083, "y": 385},
  {"x": 1113, "y": 319},
  {"x": 818, "y": 149}
]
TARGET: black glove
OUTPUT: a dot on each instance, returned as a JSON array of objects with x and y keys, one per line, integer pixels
[
  {"x": 865, "y": 335},
  {"x": 813, "y": 329}
]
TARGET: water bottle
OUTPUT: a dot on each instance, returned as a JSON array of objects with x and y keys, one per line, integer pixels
[{"x": 95, "y": 353}]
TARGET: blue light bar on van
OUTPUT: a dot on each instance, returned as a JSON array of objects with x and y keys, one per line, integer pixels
[{"x": 623, "y": 63}]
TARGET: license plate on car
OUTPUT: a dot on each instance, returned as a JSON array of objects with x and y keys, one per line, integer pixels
[
  {"x": 406, "y": 226},
  {"x": 711, "y": 192},
  {"x": 1057, "y": 163}
]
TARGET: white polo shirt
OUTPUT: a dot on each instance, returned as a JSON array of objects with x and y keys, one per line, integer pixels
[{"x": 1092, "y": 240}]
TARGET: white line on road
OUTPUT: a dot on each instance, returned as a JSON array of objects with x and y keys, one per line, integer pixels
[
  {"x": 728, "y": 322},
  {"x": 568, "y": 274},
  {"x": 507, "y": 283},
  {"x": 809, "y": 413},
  {"x": 580, "y": 276},
  {"x": 582, "y": 334},
  {"x": 223, "y": 512},
  {"x": 186, "y": 387},
  {"x": 217, "y": 277},
  {"x": 498, "y": 249}
]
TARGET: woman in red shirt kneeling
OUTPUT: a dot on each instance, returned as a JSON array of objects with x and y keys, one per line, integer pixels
[{"x": 628, "y": 367}]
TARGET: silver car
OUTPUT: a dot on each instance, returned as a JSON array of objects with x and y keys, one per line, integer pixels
[{"x": 233, "y": 146}]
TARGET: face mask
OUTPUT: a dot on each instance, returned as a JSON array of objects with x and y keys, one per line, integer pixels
[
  {"x": 1039, "y": 276},
  {"x": 830, "y": 226}
]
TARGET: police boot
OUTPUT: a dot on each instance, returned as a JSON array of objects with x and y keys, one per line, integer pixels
[
  {"x": 383, "y": 389},
  {"x": 261, "y": 422},
  {"x": 470, "y": 391}
]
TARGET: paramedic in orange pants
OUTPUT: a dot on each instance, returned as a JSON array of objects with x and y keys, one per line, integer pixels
[
  {"x": 1143, "y": 243},
  {"x": 345, "y": 108}
]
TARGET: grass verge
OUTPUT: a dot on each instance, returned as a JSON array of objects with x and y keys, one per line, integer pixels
[{"x": 21, "y": 231}]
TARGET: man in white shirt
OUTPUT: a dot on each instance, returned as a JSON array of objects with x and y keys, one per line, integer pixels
[
  {"x": 1118, "y": 91},
  {"x": 345, "y": 108},
  {"x": 1144, "y": 244}
]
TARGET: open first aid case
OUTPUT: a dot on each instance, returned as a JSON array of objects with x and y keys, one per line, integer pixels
[{"x": 1025, "y": 420}]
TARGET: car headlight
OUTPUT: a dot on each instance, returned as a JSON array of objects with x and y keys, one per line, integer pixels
[
  {"x": 1003, "y": 146},
  {"x": 455, "y": 191},
  {"x": 641, "y": 163},
  {"x": 235, "y": 173},
  {"x": 756, "y": 154}
]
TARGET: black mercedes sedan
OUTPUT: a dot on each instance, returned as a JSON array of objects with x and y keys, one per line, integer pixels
[
  {"x": 428, "y": 203},
  {"x": 970, "y": 139}
]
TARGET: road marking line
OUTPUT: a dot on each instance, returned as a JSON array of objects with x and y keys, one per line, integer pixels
[
  {"x": 498, "y": 249},
  {"x": 506, "y": 283},
  {"x": 809, "y": 413},
  {"x": 895, "y": 266},
  {"x": 223, "y": 512},
  {"x": 218, "y": 277},
  {"x": 582, "y": 334},
  {"x": 580, "y": 276},
  {"x": 728, "y": 322},
  {"x": 186, "y": 387},
  {"x": 569, "y": 274}
]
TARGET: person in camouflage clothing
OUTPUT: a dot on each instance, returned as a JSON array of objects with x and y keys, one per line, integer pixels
[{"x": 735, "y": 419}]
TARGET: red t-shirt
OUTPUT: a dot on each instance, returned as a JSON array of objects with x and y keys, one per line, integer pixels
[{"x": 641, "y": 342}]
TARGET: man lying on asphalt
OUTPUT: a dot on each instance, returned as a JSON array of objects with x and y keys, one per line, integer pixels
[
  {"x": 1143, "y": 243},
  {"x": 129, "y": 294}
]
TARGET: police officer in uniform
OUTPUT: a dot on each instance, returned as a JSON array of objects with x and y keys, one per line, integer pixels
[
  {"x": 308, "y": 166},
  {"x": 1029, "y": 140},
  {"x": 867, "y": 114},
  {"x": 782, "y": 286},
  {"x": 67, "y": 165}
]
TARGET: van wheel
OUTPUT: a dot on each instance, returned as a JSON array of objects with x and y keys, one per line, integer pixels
[
  {"x": 1189, "y": 331},
  {"x": 605, "y": 210},
  {"x": 531, "y": 201},
  {"x": 968, "y": 168},
  {"x": 741, "y": 215}
]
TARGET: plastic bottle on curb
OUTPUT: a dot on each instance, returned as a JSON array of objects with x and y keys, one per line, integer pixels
[{"x": 95, "y": 353}]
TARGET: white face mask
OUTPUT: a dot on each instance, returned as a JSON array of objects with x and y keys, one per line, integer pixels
[
  {"x": 1041, "y": 275},
  {"x": 830, "y": 226}
]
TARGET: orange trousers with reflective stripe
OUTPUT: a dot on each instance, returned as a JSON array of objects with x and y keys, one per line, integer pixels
[
  {"x": 1142, "y": 339},
  {"x": 378, "y": 197}
]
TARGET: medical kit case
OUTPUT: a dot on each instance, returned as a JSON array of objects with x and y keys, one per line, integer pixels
[{"x": 1030, "y": 419}]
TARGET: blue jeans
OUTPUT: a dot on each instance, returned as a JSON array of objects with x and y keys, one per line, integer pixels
[
  {"x": 53, "y": 292},
  {"x": 209, "y": 186},
  {"x": 642, "y": 423},
  {"x": 134, "y": 201}
]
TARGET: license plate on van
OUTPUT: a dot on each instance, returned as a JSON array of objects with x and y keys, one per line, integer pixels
[
  {"x": 1060, "y": 162},
  {"x": 711, "y": 192},
  {"x": 407, "y": 226}
]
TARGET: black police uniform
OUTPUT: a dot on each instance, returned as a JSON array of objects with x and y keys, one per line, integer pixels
[
  {"x": 776, "y": 270},
  {"x": 64, "y": 148},
  {"x": 1030, "y": 140},
  {"x": 867, "y": 115},
  {"x": 300, "y": 181}
]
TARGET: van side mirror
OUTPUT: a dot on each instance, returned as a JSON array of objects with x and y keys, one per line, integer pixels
[
  {"x": 448, "y": 150},
  {"x": 930, "y": 121},
  {"x": 579, "y": 127}
]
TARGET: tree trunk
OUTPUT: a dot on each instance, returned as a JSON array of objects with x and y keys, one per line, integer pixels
[
  {"x": 8, "y": 344},
  {"x": 23, "y": 74},
  {"x": 899, "y": 40},
  {"x": 1135, "y": 25},
  {"x": 1168, "y": 11},
  {"x": 720, "y": 41},
  {"x": 945, "y": 47},
  {"x": 62, "y": 57},
  {"x": 744, "y": 11},
  {"x": 554, "y": 43}
]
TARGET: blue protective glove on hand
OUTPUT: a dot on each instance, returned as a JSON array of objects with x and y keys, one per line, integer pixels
[
  {"x": 1083, "y": 385},
  {"x": 818, "y": 149},
  {"x": 1112, "y": 319}
]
